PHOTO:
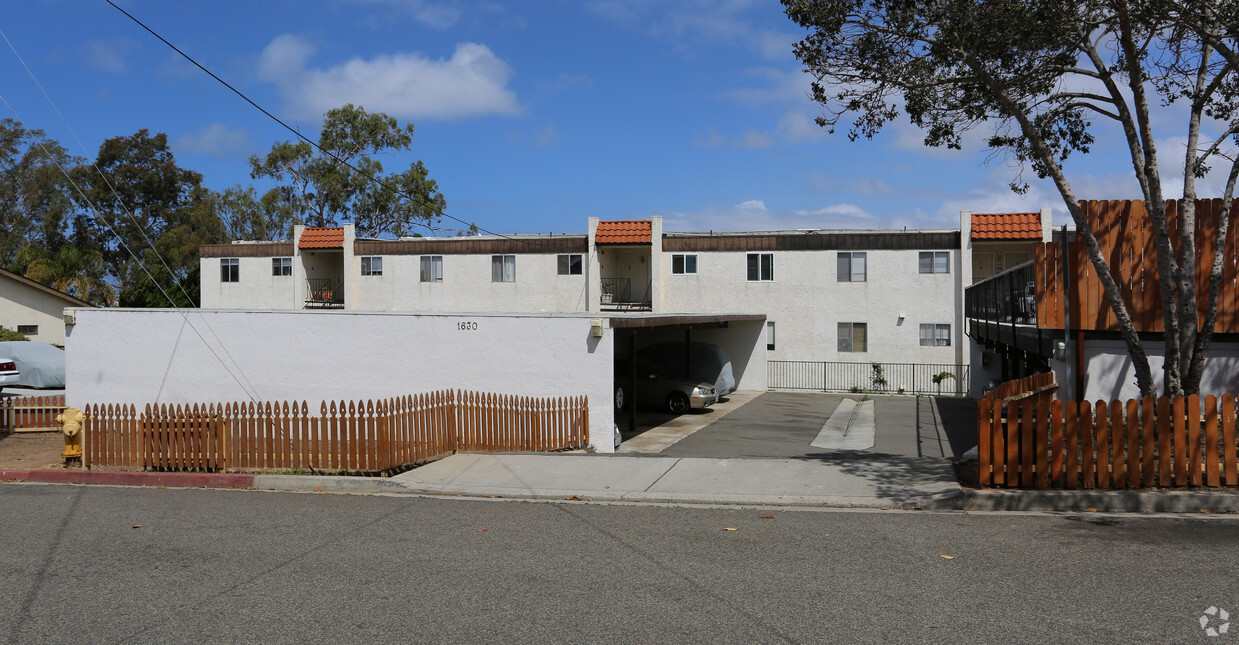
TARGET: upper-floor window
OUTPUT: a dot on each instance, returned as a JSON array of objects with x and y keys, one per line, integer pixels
[
  {"x": 853, "y": 337},
  {"x": 851, "y": 266},
  {"x": 761, "y": 267},
  {"x": 684, "y": 264},
  {"x": 432, "y": 268},
  {"x": 569, "y": 264},
  {"x": 372, "y": 265},
  {"x": 230, "y": 269},
  {"x": 935, "y": 262},
  {"x": 503, "y": 268},
  {"x": 281, "y": 266},
  {"x": 935, "y": 334}
]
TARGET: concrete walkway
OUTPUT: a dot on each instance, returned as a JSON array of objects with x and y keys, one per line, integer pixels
[{"x": 870, "y": 482}]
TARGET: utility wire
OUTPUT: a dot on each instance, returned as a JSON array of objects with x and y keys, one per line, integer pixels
[{"x": 315, "y": 144}]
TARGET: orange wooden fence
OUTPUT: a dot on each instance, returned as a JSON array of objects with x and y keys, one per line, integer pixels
[
  {"x": 363, "y": 436},
  {"x": 30, "y": 413},
  {"x": 1125, "y": 236},
  {"x": 1035, "y": 442}
]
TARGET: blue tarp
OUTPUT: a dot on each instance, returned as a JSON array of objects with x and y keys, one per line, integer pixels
[{"x": 41, "y": 365}]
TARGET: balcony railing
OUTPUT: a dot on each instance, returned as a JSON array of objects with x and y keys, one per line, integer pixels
[
  {"x": 323, "y": 293},
  {"x": 617, "y": 294},
  {"x": 1008, "y": 297}
]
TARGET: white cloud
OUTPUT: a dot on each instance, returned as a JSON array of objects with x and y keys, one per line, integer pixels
[
  {"x": 543, "y": 137},
  {"x": 436, "y": 15},
  {"x": 108, "y": 55},
  {"x": 683, "y": 22},
  {"x": 793, "y": 128},
  {"x": 754, "y": 215},
  {"x": 215, "y": 140},
  {"x": 473, "y": 82}
]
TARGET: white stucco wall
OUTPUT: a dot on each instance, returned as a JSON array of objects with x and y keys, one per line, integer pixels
[
  {"x": 163, "y": 356},
  {"x": 1108, "y": 372},
  {"x": 806, "y": 302},
  {"x": 22, "y": 304},
  {"x": 467, "y": 286},
  {"x": 256, "y": 287}
]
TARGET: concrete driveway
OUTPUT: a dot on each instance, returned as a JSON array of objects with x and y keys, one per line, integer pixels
[{"x": 787, "y": 424}]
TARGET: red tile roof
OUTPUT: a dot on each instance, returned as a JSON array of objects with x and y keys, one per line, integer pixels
[
  {"x": 1006, "y": 226},
  {"x": 624, "y": 232},
  {"x": 322, "y": 237}
]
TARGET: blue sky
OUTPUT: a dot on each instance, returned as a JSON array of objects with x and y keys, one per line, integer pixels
[{"x": 531, "y": 116}]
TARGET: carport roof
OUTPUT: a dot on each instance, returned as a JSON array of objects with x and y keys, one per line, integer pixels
[{"x": 638, "y": 320}]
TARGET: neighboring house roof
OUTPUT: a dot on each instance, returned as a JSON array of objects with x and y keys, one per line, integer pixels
[
  {"x": 624, "y": 232},
  {"x": 322, "y": 237},
  {"x": 76, "y": 302},
  {"x": 1006, "y": 226}
]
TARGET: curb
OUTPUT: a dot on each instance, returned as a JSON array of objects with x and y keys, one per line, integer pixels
[
  {"x": 1110, "y": 501},
  {"x": 117, "y": 478}
]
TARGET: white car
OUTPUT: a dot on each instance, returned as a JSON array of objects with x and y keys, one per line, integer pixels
[{"x": 8, "y": 373}]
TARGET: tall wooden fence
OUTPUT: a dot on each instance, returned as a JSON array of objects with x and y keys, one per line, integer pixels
[
  {"x": 30, "y": 413},
  {"x": 1125, "y": 236},
  {"x": 1035, "y": 442},
  {"x": 363, "y": 436}
]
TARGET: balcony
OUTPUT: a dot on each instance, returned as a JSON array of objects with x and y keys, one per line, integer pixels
[
  {"x": 617, "y": 295},
  {"x": 323, "y": 293},
  {"x": 1003, "y": 310}
]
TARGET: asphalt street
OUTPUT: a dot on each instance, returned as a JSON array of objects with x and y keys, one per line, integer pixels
[{"x": 126, "y": 565}]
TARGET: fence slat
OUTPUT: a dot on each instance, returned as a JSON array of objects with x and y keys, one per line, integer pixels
[
  {"x": 1211, "y": 442},
  {"x": 1228, "y": 437}
]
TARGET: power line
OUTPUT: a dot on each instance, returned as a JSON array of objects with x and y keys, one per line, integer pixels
[{"x": 302, "y": 137}]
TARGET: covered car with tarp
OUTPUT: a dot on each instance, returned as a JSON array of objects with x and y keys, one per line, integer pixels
[{"x": 41, "y": 365}]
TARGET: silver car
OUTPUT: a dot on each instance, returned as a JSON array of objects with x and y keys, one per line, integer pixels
[
  {"x": 8, "y": 373},
  {"x": 674, "y": 395}
]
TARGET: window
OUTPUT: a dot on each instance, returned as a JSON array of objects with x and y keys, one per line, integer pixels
[
  {"x": 852, "y": 337},
  {"x": 29, "y": 330},
  {"x": 684, "y": 264},
  {"x": 503, "y": 268},
  {"x": 935, "y": 261},
  {"x": 569, "y": 264},
  {"x": 281, "y": 266},
  {"x": 230, "y": 269},
  {"x": 432, "y": 268},
  {"x": 761, "y": 267},
  {"x": 770, "y": 335},
  {"x": 372, "y": 265},
  {"x": 851, "y": 267},
  {"x": 933, "y": 334}
]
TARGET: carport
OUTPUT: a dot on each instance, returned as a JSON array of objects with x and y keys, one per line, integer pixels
[{"x": 742, "y": 337}]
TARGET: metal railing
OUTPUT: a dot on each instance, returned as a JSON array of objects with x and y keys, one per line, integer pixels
[
  {"x": 1007, "y": 297},
  {"x": 617, "y": 294},
  {"x": 321, "y": 292},
  {"x": 944, "y": 379}
]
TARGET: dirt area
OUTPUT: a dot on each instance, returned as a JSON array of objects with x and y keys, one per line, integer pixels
[{"x": 29, "y": 450}]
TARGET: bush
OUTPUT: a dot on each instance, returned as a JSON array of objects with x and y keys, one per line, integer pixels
[{"x": 9, "y": 334}]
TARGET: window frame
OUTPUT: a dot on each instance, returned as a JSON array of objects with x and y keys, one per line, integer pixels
[
  {"x": 28, "y": 330},
  {"x": 564, "y": 264},
  {"x": 281, "y": 266},
  {"x": 504, "y": 261},
  {"x": 770, "y": 335},
  {"x": 684, "y": 262},
  {"x": 435, "y": 264},
  {"x": 849, "y": 257},
  {"x": 933, "y": 338},
  {"x": 851, "y": 337},
  {"x": 372, "y": 265},
  {"x": 933, "y": 257},
  {"x": 763, "y": 270},
  {"x": 229, "y": 270}
]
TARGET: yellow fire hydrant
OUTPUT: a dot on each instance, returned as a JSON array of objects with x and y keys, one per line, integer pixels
[{"x": 71, "y": 425}]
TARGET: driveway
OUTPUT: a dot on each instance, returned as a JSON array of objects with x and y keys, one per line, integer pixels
[{"x": 786, "y": 424}]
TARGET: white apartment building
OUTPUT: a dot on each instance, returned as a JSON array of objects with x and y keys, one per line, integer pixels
[{"x": 829, "y": 296}]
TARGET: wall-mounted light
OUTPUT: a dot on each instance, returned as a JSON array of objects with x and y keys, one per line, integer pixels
[
  {"x": 595, "y": 327},
  {"x": 902, "y": 315}
]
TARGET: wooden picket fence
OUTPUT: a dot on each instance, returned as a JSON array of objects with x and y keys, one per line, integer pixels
[
  {"x": 30, "y": 413},
  {"x": 1031, "y": 441},
  {"x": 354, "y": 436}
]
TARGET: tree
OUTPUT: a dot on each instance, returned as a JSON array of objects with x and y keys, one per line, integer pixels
[
  {"x": 73, "y": 270},
  {"x": 247, "y": 217},
  {"x": 144, "y": 212},
  {"x": 1039, "y": 73},
  {"x": 342, "y": 181},
  {"x": 35, "y": 196}
]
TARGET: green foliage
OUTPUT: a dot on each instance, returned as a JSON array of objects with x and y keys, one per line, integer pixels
[
  {"x": 7, "y": 334},
  {"x": 321, "y": 189},
  {"x": 878, "y": 378},
  {"x": 182, "y": 293},
  {"x": 35, "y": 201},
  {"x": 75, "y": 271}
]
